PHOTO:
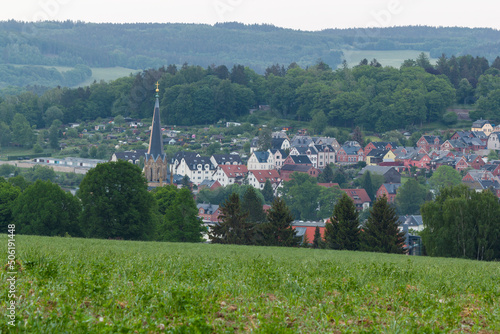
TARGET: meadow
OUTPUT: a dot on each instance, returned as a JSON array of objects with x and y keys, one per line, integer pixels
[
  {"x": 394, "y": 58},
  {"x": 70, "y": 285}
]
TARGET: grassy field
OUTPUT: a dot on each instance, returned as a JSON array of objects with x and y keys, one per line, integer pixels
[
  {"x": 80, "y": 286},
  {"x": 392, "y": 58}
]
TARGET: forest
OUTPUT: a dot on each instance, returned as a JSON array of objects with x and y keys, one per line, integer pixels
[
  {"x": 369, "y": 95},
  {"x": 146, "y": 45}
]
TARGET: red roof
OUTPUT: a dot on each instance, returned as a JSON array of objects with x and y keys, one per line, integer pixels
[
  {"x": 234, "y": 170},
  {"x": 358, "y": 195},
  {"x": 266, "y": 174},
  {"x": 310, "y": 230}
]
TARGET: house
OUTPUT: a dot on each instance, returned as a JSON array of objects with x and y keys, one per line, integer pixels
[
  {"x": 226, "y": 159},
  {"x": 209, "y": 184},
  {"x": 483, "y": 125},
  {"x": 419, "y": 160},
  {"x": 261, "y": 160},
  {"x": 298, "y": 160},
  {"x": 360, "y": 198},
  {"x": 388, "y": 190},
  {"x": 349, "y": 154},
  {"x": 492, "y": 168},
  {"x": 305, "y": 230},
  {"x": 391, "y": 175},
  {"x": 280, "y": 143},
  {"x": 375, "y": 156},
  {"x": 130, "y": 156},
  {"x": 476, "y": 175},
  {"x": 287, "y": 170},
  {"x": 300, "y": 140},
  {"x": 381, "y": 145},
  {"x": 258, "y": 178},
  {"x": 100, "y": 127},
  {"x": 321, "y": 155},
  {"x": 279, "y": 157},
  {"x": 429, "y": 143},
  {"x": 197, "y": 168},
  {"x": 209, "y": 213},
  {"x": 494, "y": 141},
  {"x": 327, "y": 141},
  {"x": 414, "y": 222},
  {"x": 230, "y": 174}
]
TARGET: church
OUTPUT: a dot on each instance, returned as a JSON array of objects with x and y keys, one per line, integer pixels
[{"x": 155, "y": 163}]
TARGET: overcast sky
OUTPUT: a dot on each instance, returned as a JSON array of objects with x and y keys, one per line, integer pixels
[{"x": 296, "y": 14}]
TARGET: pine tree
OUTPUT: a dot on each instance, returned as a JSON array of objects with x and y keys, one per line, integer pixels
[
  {"x": 381, "y": 232},
  {"x": 278, "y": 231},
  {"x": 233, "y": 228},
  {"x": 327, "y": 175},
  {"x": 268, "y": 192},
  {"x": 368, "y": 185},
  {"x": 318, "y": 240},
  {"x": 342, "y": 232},
  {"x": 252, "y": 204}
]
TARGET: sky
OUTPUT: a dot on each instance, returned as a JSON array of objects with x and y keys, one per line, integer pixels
[{"x": 295, "y": 14}]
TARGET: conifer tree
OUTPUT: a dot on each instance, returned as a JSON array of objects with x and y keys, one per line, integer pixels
[
  {"x": 233, "y": 228},
  {"x": 342, "y": 232},
  {"x": 318, "y": 240},
  {"x": 278, "y": 231},
  {"x": 368, "y": 185},
  {"x": 268, "y": 192},
  {"x": 327, "y": 175},
  {"x": 252, "y": 204},
  {"x": 381, "y": 232}
]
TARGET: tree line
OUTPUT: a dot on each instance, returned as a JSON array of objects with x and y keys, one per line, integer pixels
[{"x": 370, "y": 96}]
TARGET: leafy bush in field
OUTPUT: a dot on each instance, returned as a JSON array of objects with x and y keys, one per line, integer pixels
[{"x": 81, "y": 286}]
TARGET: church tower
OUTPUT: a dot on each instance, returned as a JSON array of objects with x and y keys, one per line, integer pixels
[{"x": 155, "y": 164}]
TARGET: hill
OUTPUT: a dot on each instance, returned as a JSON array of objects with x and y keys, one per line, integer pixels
[
  {"x": 85, "y": 285},
  {"x": 143, "y": 46}
]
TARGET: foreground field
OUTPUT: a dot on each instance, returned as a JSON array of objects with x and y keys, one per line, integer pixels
[{"x": 98, "y": 286}]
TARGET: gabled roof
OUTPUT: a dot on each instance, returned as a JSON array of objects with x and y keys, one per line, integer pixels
[
  {"x": 431, "y": 139},
  {"x": 296, "y": 168},
  {"x": 277, "y": 142},
  {"x": 300, "y": 141},
  {"x": 222, "y": 159},
  {"x": 411, "y": 221},
  {"x": 208, "y": 208},
  {"x": 381, "y": 170},
  {"x": 130, "y": 155},
  {"x": 377, "y": 153},
  {"x": 351, "y": 150},
  {"x": 262, "y": 156},
  {"x": 193, "y": 162},
  {"x": 265, "y": 174},
  {"x": 233, "y": 171},
  {"x": 208, "y": 183},
  {"x": 301, "y": 149},
  {"x": 480, "y": 123},
  {"x": 391, "y": 187},
  {"x": 301, "y": 159},
  {"x": 359, "y": 196}
]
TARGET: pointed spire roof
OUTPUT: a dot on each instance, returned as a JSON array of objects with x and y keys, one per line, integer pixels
[{"x": 155, "y": 140}]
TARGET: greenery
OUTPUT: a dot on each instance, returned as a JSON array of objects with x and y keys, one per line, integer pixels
[
  {"x": 233, "y": 227},
  {"x": 81, "y": 286},
  {"x": 277, "y": 230},
  {"x": 462, "y": 223},
  {"x": 116, "y": 202},
  {"x": 381, "y": 231},
  {"x": 410, "y": 196},
  {"x": 343, "y": 229}
]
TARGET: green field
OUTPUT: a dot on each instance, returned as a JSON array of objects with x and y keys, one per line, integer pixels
[
  {"x": 80, "y": 286},
  {"x": 392, "y": 58}
]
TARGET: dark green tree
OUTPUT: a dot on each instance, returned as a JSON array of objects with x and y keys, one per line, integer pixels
[
  {"x": 368, "y": 185},
  {"x": 410, "y": 197},
  {"x": 318, "y": 241},
  {"x": 233, "y": 227},
  {"x": 381, "y": 232},
  {"x": 342, "y": 231},
  {"x": 268, "y": 192},
  {"x": 326, "y": 175},
  {"x": 8, "y": 194},
  {"x": 116, "y": 202},
  {"x": 45, "y": 209},
  {"x": 278, "y": 230},
  {"x": 181, "y": 222},
  {"x": 252, "y": 204},
  {"x": 22, "y": 133},
  {"x": 265, "y": 138}
]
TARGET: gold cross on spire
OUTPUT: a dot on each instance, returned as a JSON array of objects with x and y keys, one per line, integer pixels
[{"x": 157, "y": 89}]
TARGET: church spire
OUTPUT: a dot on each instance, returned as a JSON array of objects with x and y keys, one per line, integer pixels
[{"x": 155, "y": 149}]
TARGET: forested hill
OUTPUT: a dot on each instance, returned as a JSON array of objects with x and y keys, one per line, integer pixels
[{"x": 142, "y": 46}]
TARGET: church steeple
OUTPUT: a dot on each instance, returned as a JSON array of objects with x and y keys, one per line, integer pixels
[
  {"x": 155, "y": 165},
  {"x": 155, "y": 149}
]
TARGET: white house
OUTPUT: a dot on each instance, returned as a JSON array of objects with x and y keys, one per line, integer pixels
[
  {"x": 260, "y": 160},
  {"x": 196, "y": 168},
  {"x": 230, "y": 174},
  {"x": 258, "y": 178}
]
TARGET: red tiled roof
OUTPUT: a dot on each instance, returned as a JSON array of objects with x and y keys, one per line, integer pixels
[
  {"x": 234, "y": 170},
  {"x": 266, "y": 174},
  {"x": 358, "y": 195}
]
